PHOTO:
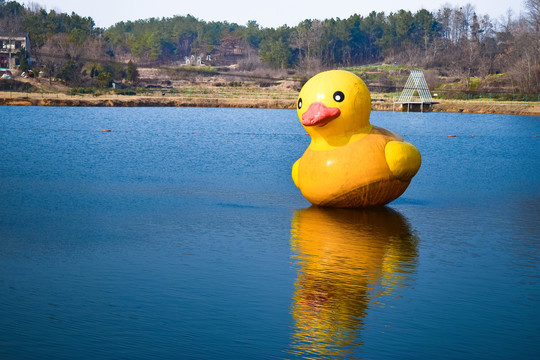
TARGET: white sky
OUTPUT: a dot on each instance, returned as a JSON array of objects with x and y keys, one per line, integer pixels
[{"x": 269, "y": 13}]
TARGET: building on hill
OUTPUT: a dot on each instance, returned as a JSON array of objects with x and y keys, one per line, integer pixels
[{"x": 10, "y": 48}]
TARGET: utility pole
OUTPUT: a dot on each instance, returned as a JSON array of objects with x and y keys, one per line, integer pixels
[{"x": 9, "y": 52}]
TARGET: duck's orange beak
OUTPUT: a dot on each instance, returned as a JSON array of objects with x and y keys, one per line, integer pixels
[{"x": 319, "y": 115}]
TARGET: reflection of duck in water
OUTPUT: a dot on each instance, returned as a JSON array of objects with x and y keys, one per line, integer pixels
[{"x": 347, "y": 256}]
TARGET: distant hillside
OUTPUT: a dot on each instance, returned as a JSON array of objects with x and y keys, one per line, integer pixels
[{"x": 461, "y": 47}]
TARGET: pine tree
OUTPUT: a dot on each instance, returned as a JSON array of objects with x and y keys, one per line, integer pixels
[{"x": 132, "y": 74}]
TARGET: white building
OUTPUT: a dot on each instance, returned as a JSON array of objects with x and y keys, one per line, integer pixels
[{"x": 10, "y": 47}]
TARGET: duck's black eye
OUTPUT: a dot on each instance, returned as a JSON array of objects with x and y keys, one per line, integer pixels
[
  {"x": 300, "y": 103},
  {"x": 339, "y": 96}
]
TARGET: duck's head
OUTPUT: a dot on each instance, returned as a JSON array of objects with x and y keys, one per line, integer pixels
[{"x": 333, "y": 106}]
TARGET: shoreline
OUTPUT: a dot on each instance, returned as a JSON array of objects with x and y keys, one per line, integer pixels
[{"x": 532, "y": 109}]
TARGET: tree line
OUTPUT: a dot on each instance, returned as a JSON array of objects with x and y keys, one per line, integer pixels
[{"x": 454, "y": 39}]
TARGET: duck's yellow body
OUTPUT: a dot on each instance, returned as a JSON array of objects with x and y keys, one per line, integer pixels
[{"x": 349, "y": 163}]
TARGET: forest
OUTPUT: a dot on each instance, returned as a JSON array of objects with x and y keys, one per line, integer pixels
[{"x": 454, "y": 40}]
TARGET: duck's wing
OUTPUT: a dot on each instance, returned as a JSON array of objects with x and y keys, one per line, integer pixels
[
  {"x": 294, "y": 172},
  {"x": 403, "y": 159}
]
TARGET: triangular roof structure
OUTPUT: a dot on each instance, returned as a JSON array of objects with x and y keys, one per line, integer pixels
[{"x": 416, "y": 83}]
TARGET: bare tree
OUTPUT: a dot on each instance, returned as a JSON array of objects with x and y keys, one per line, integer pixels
[
  {"x": 306, "y": 39},
  {"x": 533, "y": 14},
  {"x": 11, "y": 25},
  {"x": 533, "y": 17},
  {"x": 521, "y": 56},
  {"x": 33, "y": 7},
  {"x": 469, "y": 13}
]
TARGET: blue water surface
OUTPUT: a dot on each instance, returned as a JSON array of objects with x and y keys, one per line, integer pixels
[{"x": 180, "y": 234}]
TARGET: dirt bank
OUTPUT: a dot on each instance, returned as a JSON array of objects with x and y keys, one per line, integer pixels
[
  {"x": 262, "y": 103},
  {"x": 488, "y": 108},
  {"x": 468, "y": 107},
  {"x": 151, "y": 101}
]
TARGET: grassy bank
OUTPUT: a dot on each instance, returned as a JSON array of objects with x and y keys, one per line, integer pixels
[{"x": 177, "y": 100}]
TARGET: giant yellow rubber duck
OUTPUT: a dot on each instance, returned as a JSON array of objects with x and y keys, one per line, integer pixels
[{"x": 349, "y": 162}]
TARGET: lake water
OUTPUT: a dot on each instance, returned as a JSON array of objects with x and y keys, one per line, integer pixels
[{"x": 180, "y": 234}]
